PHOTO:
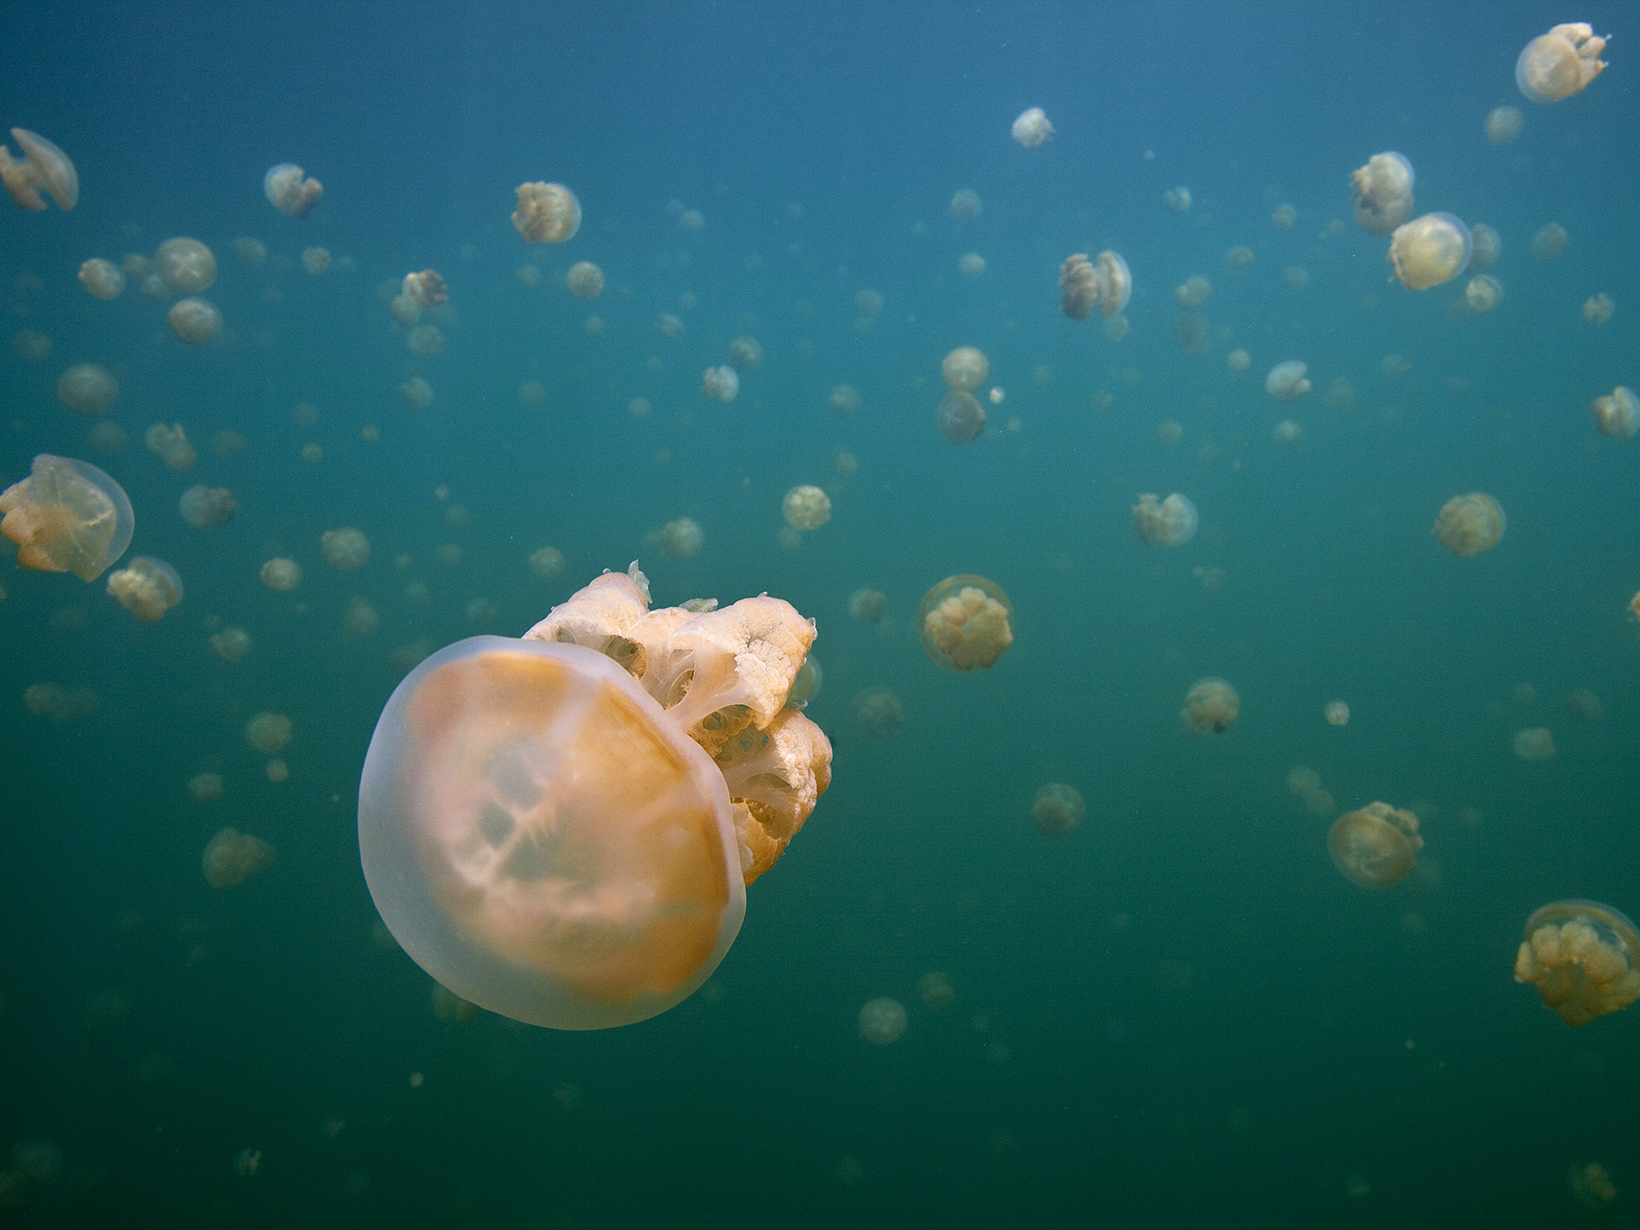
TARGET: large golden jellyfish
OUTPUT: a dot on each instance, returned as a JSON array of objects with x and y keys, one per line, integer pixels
[
  {"x": 1376, "y": 846},
  {"x": 1104, "y": 283},
  {"x": 1383, "y": 193},
  {"x": 561, "y": 828},
  {"x": 1167, "y": 523},
  {"x": 1560, "y": 63},
  {"x": 146, "y": 587},
  {"x": 1210, "y": 705},
  {"x": 966, "y": 621},
  {"x": 1580, "y": 955},
  {"x": 1617, "y": 414},
  {"x": 42, "y": 165},
  {"x": 1032, "y": 127},
  {"x": 1470, "y": 524},
  {"x": 546, "y": 213},
  {"x": 290, "y": 193},
  {"x": 1430, "y": 250},
  {"x": 67, "y": 516}
]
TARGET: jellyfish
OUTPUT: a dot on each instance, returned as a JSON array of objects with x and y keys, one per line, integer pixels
[
  {"x": 1617, "y": 413},
  {"x": 316, "y": 260},
  {"x": 1105, "y": 283},
  {"x": 965, "y": 369},
  {"x": 426, "y": 289},
  {"x": 1430, "y": 250},
  {"x": 1592, "y": 1185},
  {"x": 1194, "y": 291},
  {"x": 1287, "y": 381},
  {"x": 194, "y": 320},
  {"x": 1469, "y": 524},
  {"x": 1550, "y": 241},
  {"x": 867, "y": 605},
  {"x": 231, "y": 857},
  {"x": 1560, "y": 63},
  {"x": 681, "y": 538},
  {"x": 960, "y": 417},
  {"x": 1057, "y": 809},
  {"x": 1177, "y": 199},
  {"x": 547, "y": 562},
  {"x": 1503, "y": 124},
  {"x": 867, "y": 304},
  {"x": 1210, "y": 705},
  {"x": 1288, "y": 431},
  {"x": 1483, "y": 293},
  {"x": 875, "y": 713},
  {"x": 1170, "y": 523},
  {"x": 1306, "y": 784},
  {"x": 185, "y": 265},
  {"x": 43, "y": 165},
  {"x": 561, "y": 828},
  {"x": 971, "y": 265},
  {"x": 882, "y": 1021},
  {"x": 1284, "y": 216},
  {"x": 1486, "y": 245},
  {"x": 426, "y": 340},
  {"x": 844, "y": 400},
  {"x": 1239, "y": 360},
  {"x": 585, "y": 280},
  {"x": 31, "y": 346},
  {"x": 251, "y": 252},
  {"x": 1598, "y": 309},
  {"x": 965, "y": 204},
  {"x": 88, "y": 389},
  {"x": 102, "y": 278},
  {"x": 546, "y": 213},
  {"x": 202, "y": 506},
  {"x": 966, "y": 622},
  {"x": 1534, "y": 743},
  {"x": 61, "y": 706},
  {"x": 1580, "y": 955},
  {"x": 1375, "y": 846},
  {"x": 1169, "y": 432},
  {"x": 268, "y": 732},
  {"x": 67, "y": 516},
  {"x": 1383, "y": 193},
  {"x": 205, "y": 787},
  {"x": 171, "y": 445},
  {"x": 690, "y": 221},
  {"x": 345, "y": 549},
  {"x": 231, "y": 644},
  {"x": 935, "y": 990},
  {"x": 1584, "y": 705},
  {"x": 1032, "y": 128},
  {"x": 417, "y": 392},
  {"x": 146, "y": 587},
  {"x": 806, "y": 508},
  {"x": 281, "y": 574},
  {"x": 288, "y": 192},
  {"x": 720, "y": 383},
  {"x": 1337, "y": 713},
  {"x": 807, "y": 684},
  {"x": 1238, "y": 259}
]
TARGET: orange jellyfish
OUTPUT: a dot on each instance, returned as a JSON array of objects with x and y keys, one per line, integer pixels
[
  {"x": 1580, "y": 955},
  {"x": 1383, "y": 193},
  {"x": 966, "y": 621},
  {"x": 561, "y": 828},
  {"x": 1560, "y": 63},
  {"x": 1375, "y": 846},
  {"x": 1210, "y": 705},
  {"x": 1469, "y": 524},
  {"x": 1430, "y": 250},
  {"x": 546, "y": 213},
  {"x": 146, "y": 587},
  {"x": 67, "y": 516},
  {"x": 43, "y": 165}
]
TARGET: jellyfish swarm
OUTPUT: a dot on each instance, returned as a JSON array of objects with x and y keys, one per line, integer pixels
[
  {"x": 1375, "y": 846},
  {"x": 546, "y": 213},
  {"x": 1430, "y": 250},
  {"x": 1618, "y": 413},
  {"x": 43, "y": 165},
  {"x": 1580, "y": 955},
  {"x": 560, "y": 829},
  {"x": 1469, "y": 524},
  {"x": 1383, "y": 193},
  {"x": 1560, "y": 63},
  {"x": 288, "y": 192},
  {"x": 1169, "y": 523},
  {"x": 67, "y": 516},
  {"x": 146, "y": 587},
  {"x": 1104, "y": 283},
  {"x": 966, "y": 621},
  {"x": 1210, "y": 705}
]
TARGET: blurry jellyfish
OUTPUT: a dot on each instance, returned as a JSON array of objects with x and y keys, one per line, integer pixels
[
  {"x": 281, "y": 574},
  {"x": 52, "y": 701},
  {"x": 1393, "y": 366},
  {"x": 965, "y": 368},
  {"x": 1238, "y": 360},
  {"x": 971, "y": 265},
  {"x": 359, "y": 619},
  {"x": 807, "y": 684},
  {"x": 1296, "y": 276},
  {"x": 844, "y": 400},
  {"x": 966, "y": 622},
  {"x": 43, "y": 165},
  {"x": 682, "y": 538},
  {"x": 1584, "y": 705},
  {"x": 935, "y": 990},
  {"x": 194, "y": 320},
  {"x": 426, "y": 289},
  {"x": 205, "y": 787},
  {"x": 1486, "y": 245},
  {"x": 146, "y": 587},
  {"x": 231, "y": 644},
  {"x": 88, "y": 389},
  {"x": 1549, "y": 242},
  {"x": 269, "y": 733},
  {"x": 251, "y": 252},
  {"x": 1375, "y": 846},
  {"x": 1598, "y": 309},
  {"x": 1032, "y": 128},
  {"x": 185, "y": 264},
  {"x": 1057, "y": 809},
  {"x": 1558, "y": 64},
  {"x": 312, "y": 453},
  {"x": 345, "y": 549},
  {"x": 867, "y": 303},
  {"x": 1105, "y": 283},
  {"x": 1469, "y": 524},
  {"x": 1169, "y": 432},
  {"x": 585, "y": 280},
  {"x": 1534, "y": 743},
  {"x": 1284, "y": 216},
  {"x": 1580, "y": 955},
  {"x": 960, "y": 417},
  {"x": 288, "y": 192},
  {"x": 1383, "y": 193},
  {"x": 720, "y": 383},
  {"x": 1288, "y": 431},
  {"x": 1306, "y": 784},
  {"x": 806, "y": 508},
  {"x": 1483, "y": 293},
  {"x": 745, "y": 353},
  {"x": 1430, "y": 250},
  {"x": 1592, "y": 1185},
  {"x": 426, "y": 340},
  {"x": 1210, "y": 576},
  {"x": 231, "y": 856},
  {"x": 965, "y": 204},
  {"x": 1169, "y": 523},
  {"x": 669, "y": 326},
  {"x": 1287, "y": 381},
  {"x": 1503, "y": 124},
  {"x": 638, "y": 407},
  {"x": 690, "y": 221},
  {"x": 277, "y": 770},
  {"x": 882, "y": 1021},
  {"x": 547, "y": 562},
  {"x": 1337, "y": 713},
  {"x": 1194, "y": 291},
  {"x": 867, "y": 605},
  {"x": 67, "y": 516},
  {"x": 31, "y": 346},
  {"x": 546, "y": 213},
  {"x": 316, "y": 260},
  {"x": 170, "y": 445},
  {"x": 417, "y": 392},
  {"x": 1239, "y": 259},
  {"x": 875, "y": 713},
  {"x": 846, "y": 463},
  {"x": 1617, "y": 413},
  {"x": 1210, "y": 705},
  {"x": 102, "y": 278},
  {"x": 1177, "y": 199}
]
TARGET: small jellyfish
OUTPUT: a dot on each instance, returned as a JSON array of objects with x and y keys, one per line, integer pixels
[
  {"x": 935, "y": 990},
  {"x": 1383, "y": 193},
  {"x": 960, "y": 417},
  {"x": 1376, "y": 846},
  {"x": 1167, "y": 523},
  {"x": 170, "y": 445},
  {"x": 359, "y": 619},
  {"x": 1580, "y": 955},
  {"x": 745, "y": 353},
  {"x": 546, "y": 213},
  {"x": 426, "y": 340},
  {"x": 1104, "y": 283},
  {"x": 1210, "y": 705},
  {"x": 875, "y": 713},
  {"x": 1287, "y": 381},
  {"x": 690, "y": 221},
  {"x": 1486, "y": 245},
  {"x": 288, "y": 192},
  {"x": 1032, "y": 127},
  {"x": 194, "y": 321},
  {"x": 867, "y": 304},
  {"x": 345, "y": 549},
  {"x": 844, "y": 400},
  {"x": 1560, "y": 63},
  {"x": 867, "y": 605},
  {"x": 1430, "y": 250},
  {"x": 1283, "y": 216},
  {"x": 281, "y": 574},
  {"x": 102, "y": 278},
  {"x": 1534, "y": 743},
  {"x": 966, "y": 622},
  {"x": 1483, "y": 293},
  {"x": 682, "y": 538},
  {"x": 31, "y": 346},
  {"x": 806, "y": 508},
  {"x": 251, "y": 252},
  {"x": 230, "y": 857},
  {"x": 971, "y": 265},
  {"x": 1177, "y": 199},
  {"x": 1503, "y": 124},
  {"x": 1239, "y": 259},
  {"x": 882, "y": 1021},
  {"x": 1238, "y": 360},
  {"x": 316, "y": 260},
  {"x": 269, "y": 733},
  {"x": 146, "y": 587},
  {"x": 1288, "y": 431},
  {"x": 965, "y": 368},
  {"x": 1337, "y": 713},
  {"x": 1469, "y": 524},
  {"x": 965, "y": 204},
  {"x": 426, "y": 289},
  {"x": 1169, "y": 432},
  {"x": 231, "y": 644},
  {"x": 1194, "y": 291},
  {"x": 67, "y": 516},
  {"x": 1584, "y": 705},
  {"x": 417, "y": 392},
  {"x": 1617, "y": 414},
  {"x": 1057, "y": 809},
  {"x": 1592, "y": 1185},
  {"x": 1598, "y": 309},
  {"x": 205, "y": 787},
  {"x": 720, "y": 383},
  {"x": 1549, "y": 242},
  {"x": 547, "y": 562},
  {"x": 186, "y": 265},
  {"x": 585, "y": 280},
  {"x": 43, "y": 165},
  {"x": 88, "y": 389},
  {"x": 1306, "y": 784}
]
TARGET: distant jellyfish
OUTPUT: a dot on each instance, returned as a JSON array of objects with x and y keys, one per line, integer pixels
[
  {"x": 1469, "y": 524},
  {"x": 875, "y": 713},
  {"x": 1193, "y": 332},
  {"x": 965, "y": 204},
  {"x": 205, "y": 787},
  {"x": 1287, "y": 381},
  {"x": 1617, "y": 413},
  {"x": 691, "y": 221},
  {"x": 231, "y": 644},
  {"x": 1210, "y": 705},
  {"x": 1177, "y": 199},
  {"x": 417, "y": 392},
  {"x": 88, "y": 389},
  {"x": 720, "y": 383},
  {"x": 1238, "y": 360},
  {"x": 1383, "y": 193},
  {"x": 42, "y": 166},
  {"x": 546, "y": 213},
  {"x": 281, "y": 574},
  {"x": 1057, "y": 809},
  {"x": 867, "y": 605},
  {"x": 882, "y": 1021},
  {"x": 1584, "y": 705},
  {"x": 1592, "y": 1185},
  {"x": 745, "y": 353},
  {"x": 1376, "y": 846},
  {"x": 1598, "y": 309},
  {"x": 1550, "y": 241},
  {"x": 1288, "y": 431},
  {"x": 194, "y": 321},
  {"x": 867, "y": 304},
  {"x": 146, "y": 587},
  {"x": 1486, "y": 245},
  {"x": 359, "y": 619},
  {"x": 185, "y": 265},
  {"x": 170, "y": 445},
  {"x": 67, "y": 516},
  {"x": 251, "y": 252},
  {"x": 806, "y": 508},
  {"x": 971, "y": 265},
  {"x": 966, "y": 622},
  {"x": 1503, "y": 124},
  {"x": 585, "y": 280},
  {"x": 424, "y": 289},
  {"x": 1284, "y": 216},
  {"x": 231, "y": 857},
  {"x": 288, "y": 192},
  {"x": 1104, "y": 283},
  {"x": 1337, "y": 713},
  {"x": 960, "y": 417},
  {"x": 1305, "y": 782},
  {"x": 1560, "y": 63},
  {"x": 1167, "y": 523},
  {"x": 682, "y": 538},
  {"x": 1534, "y": 743},
  {"x": 844, "y": 400},
  {"x": 269, "y": 733},
  {"x": 1581, "y": 956},
  {"x": 102, "y": 278},
  {"x": 1194, "y": 291},
  {"x": 1032, "y": 127},
  {"x": 426, "y": 340},
  {"x": 1430, "y": 250},
  {"x": 345, "y": 549},
  {"x": 965, "y": 368},
  {"x": 1169, "y": 432},
  {"x": 31, "y": 346},
  {"x": 935, "y": 990},
  {"x": 547, "y": 562},
  {"x": 316, "y": 260},
  {"x": 1483, "y": 293},
  {"x": 1239, "y": 259}
]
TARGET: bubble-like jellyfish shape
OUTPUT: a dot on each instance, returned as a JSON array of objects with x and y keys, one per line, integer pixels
[
  {"x": 1430, "y": 250},
  {"x": 720, "y": 383},
  {"x": 546, "y": 213},
  {"x": 1284, "y": 216},
  {"x": 1057, "y": 809},
  {"x": 426, "y": 340},
  {"x": 1584, "y": 705},
  {"x": 42, "y": 165},
  {"x": 547, "y": 562},
  {"x": 1617, "y": 414},
  {"x": 1287, "y": 381},
  {"x": 1383, "y": 193},
  {"x": 960, "y": 417},
  {"x": 844, "y": 400},
  {"x": 269, "y": 733},
  {"x": 185, "y": 264},
  {"x": 1238, "y": 360},
  {"x": 875, "y": 713},
  {"x": 1560, "y": 63},
  {"x": 1305, "y": 782},
  {"x": 1592, "y": 1185},
  {"x": 1337, "y": 713},
  {"x": 1177, "y": 199},
  {"x": 965, "y": 368},
  {"x": 682, "y": 538},
  {"x": 806, "y": 508},
  {"x": 1598, "y": 309},
  {"x": 170, "y": 445},
  {"x": 867, "y": 605},
  {"x": 1581, "y": 956},
  {"x": 194, "y": 320},
  {"x": 231, "y": 644},
  {"x": 288, "y": 192},
  {"x": 1503, "y": 124},
  {"x": 1550, "y": 242},
  {"x": 1486, "y": 245},
  {"x": 1534, "y": 743},
  {"x": 316, "y": 260},
  {"x": 281, "y": 574},
  {"x": 585, "y": 280},
  {"x": 867, "y": 304},
  {"x": 1469, "y": 524},
  {"x": 746, "y": 352},
  {"x": 561, "y": 828},
  {"x": 1376, "y": 846},
  {"x": 1483, "y": 293},
  {"x": 882, "y": 1021},
  {"x": 417, "y": 392},
  {"x": 426, "y": 289},
  {"x": 1031, "y": 127},
  {"x": 1239, "y": 259},
  {"x": 345, "y": 549},
  {"x": 67, "y": 516},
  {"x": 935, "y": 990},
  {"x": 1194, "y": 291},
  {"x": 1167, "y": 523},
  {"x": 102, "y": 278},
  {"x": 146, "y": 587},
  {"x": 971, "y": 265},
  {"x": 1104, "y": 283},
  {"x": 205, "y": 787},
  {"x": 1210, "y": 705},
  {"x": 965, "y": 204},
  {"x": 88, "y": 389},
  {"x": 231, "y": 857},
  {"x": 966, "y": 622},
  {"x": 202, "y": 506}
]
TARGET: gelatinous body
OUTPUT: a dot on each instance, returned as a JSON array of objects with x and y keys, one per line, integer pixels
[
  {"x": 965, "y": 368},
  {"x": 1617, "y": 413},
  {"x": 1376, "y": 846},
  {"x": 42, "y": 166},
  {"x": 1057, "y": 809},
  {"x": 288, "y": 192},
  {"x": 882, "y": 1021},
  {"x": 1581, "y": 956},
  {"x": 960, "y": 417},
  {"x": 1287, "y": 381},
  {"x": 146, "y": 587},
  {"x": 1560, "y": 63},
  {"x": 1503, "y": 124},
  {"x": 1104, "y": 283},
  {"x": 966, "y": 622},
  {"x": 1383, "y": 193},
  {"x": 185, "y": 264},
  {"x": 546, "y": 213},
  {"x": 806, "y": 508},
  {"x": 720, "y": 383},
  {"x": 1210, "y": 705},
  {"x": 194, "y": 320},
  {"x": 1169, "y": 523},
  {"x": 67, "y": 516},
  {"x": 1430, "y": 250},
  {"x": 1486, "y": 245},
  {"x": 1032, "y": 127},
  {"x": 88, "y": 389},
  {"x": 202, "y": 506},
  {"x": 102, "y": 278},
  {"x": 1469, "y": 524},
  {"x": 231, "y": 857},
  {"x": 1483, "y": 293}
]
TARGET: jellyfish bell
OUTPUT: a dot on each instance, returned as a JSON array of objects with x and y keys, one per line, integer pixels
[
  {"x": 1560, "y": 63},
  {"x": 185, "y": 264},
  {"x": 146, "y": 587},
  {"x": 290, "y": 193},
  {"x": 1470, "y": 524},
  {"x": 1486, "y": 247},
  {"x": 231, "y": 857},
  {"x": 546, "y": 213},
  {"x": 1581, "y": 956},
  {"x": 961, "y": 417},
  {"x": 1166, "y": 523},
  {"x": 1032, "y": 127},
  {"x": 965, "y": 368},
  {"x": 1617, "y": 413},
  {"x": 1210, "y": 705},
  {"x": 67, "y": 516},
  {"x": 966, "y": 622},
  {"x": 720, "y": 383},
  {"x": 1483, "y": 293},
  {"x": 806, "y": 507},
  {"x": 102, "y": 278},
  {"x": 88, "y": 389},
  {"x": 194, "y": 321},
  {"x": 1383, "y": 193},
  {"x": 42, "y": 166},
  {"x": 1430, "y": 250},
  {"x": 1376, "y": 846},
  {"x": 1550, "y": 242},
  {"x": 1503, "y": 124},
  {"x": 1057, "y": 809},
  {"x": 1287, "y": 381}
]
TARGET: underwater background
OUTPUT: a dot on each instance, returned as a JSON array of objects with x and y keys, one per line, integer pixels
[{"x": 1177, "y": 1013}]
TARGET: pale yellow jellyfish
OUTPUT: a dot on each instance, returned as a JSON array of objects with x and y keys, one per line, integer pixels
[
  {"x": 205, "y": 787},
  {"x": 185, "y": 264},
  {"x": 1430, "y": 250},
  {"x": 1239, "y": 259},
  {"x": 1584, "y": 705},
  {"x": 231, "y": 644},
  {"x": 281, "y": 574},
  {"x": 1550, "y": 241},
  {"x": 1238, "y": 360},
  {"x": 844, "y": 400},
  {"x": 1169, "y": 432},
  {"x": 1503, "y": 124},
  {"x": 1617, "y": 413},
  {"x": 547, "y": 562},
  {"x": 1598, "y": 309},
  {"x": 1284, "y": 216},
  {"x": 1486, "y": 245},
  {"x": 960, "y": 416},
  {"x": 966, "y": 622},
  {"x": 288, "y": 192},
  {"x": 1580, "y": 955},
  {"x": 971, "y": 265},
  {"x": 251, "y": 252},
  {"x": 43, "y": 165},
  {"x": 720, "y": 383},
  {"x": 170, "y": 445},
  {"x": 426, "y": 340},
  {"x": 67, "y": 516},
  {"x": 107, "y": 436},
  {"x": 875, "y": 713},
  {"x": 1337, "y": 713},
  {"x": 1104, "y": 283},
  {"x": 585, "y": 280},
  {"x": 1195, "y": 290},
  {"x": 867, "y": 304},
  {"x": 1057, "y": 809},
  {"x": 1166, "y": 523},
  {"x": 146, "y": 587},
  {"x": 1288, "y": 431},
  {"x": 1592, "y": 1185},
  {"x": 867, "y": 605},
  {"x": 231, "y": 856},
  {"x": 316, "y": 260},
  {"x": 417, "y": 392},
  {"x": 1560, "y": 63},
  {"x": 1483, "y": 293},
  {"x": 268, "y": 732},
  {"x": 1376, "y": 846},
  {"x": 882, "y": 1021},
  {"x": 806, "y": 508},
  {"x": 88, "y": 389},
  {"x": 965, "y": 204},
  {"x": 965, "y": 368},
  {"x": 102, "y": 278},
  {"x": 546, "y": 213},
  {"x": 1534, "y": 743},
  {"x": 359, "y": 619},
  {"x": 194, "y": 320},
  {"x": 745, "y": 353},
  {"x": 61, "y": 706},
  {"x": 1383, "y": 193},
  {"x": 1469, "y": 524},
  {"x": 691, "y": 221},
  {"x": 1032, "y": 128},
  {"x": 426, "y": 289},
  {"x": 1305, "y": 782},
  {"x": 1210, "y": 705},
  {"x": 1287, "y": 381},
  {"x": 1177, "y": 199},
  {"x": 31, "y": 346},
  {"x": 682, "y": 538},
  {"x": 345, "y": 549}
]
